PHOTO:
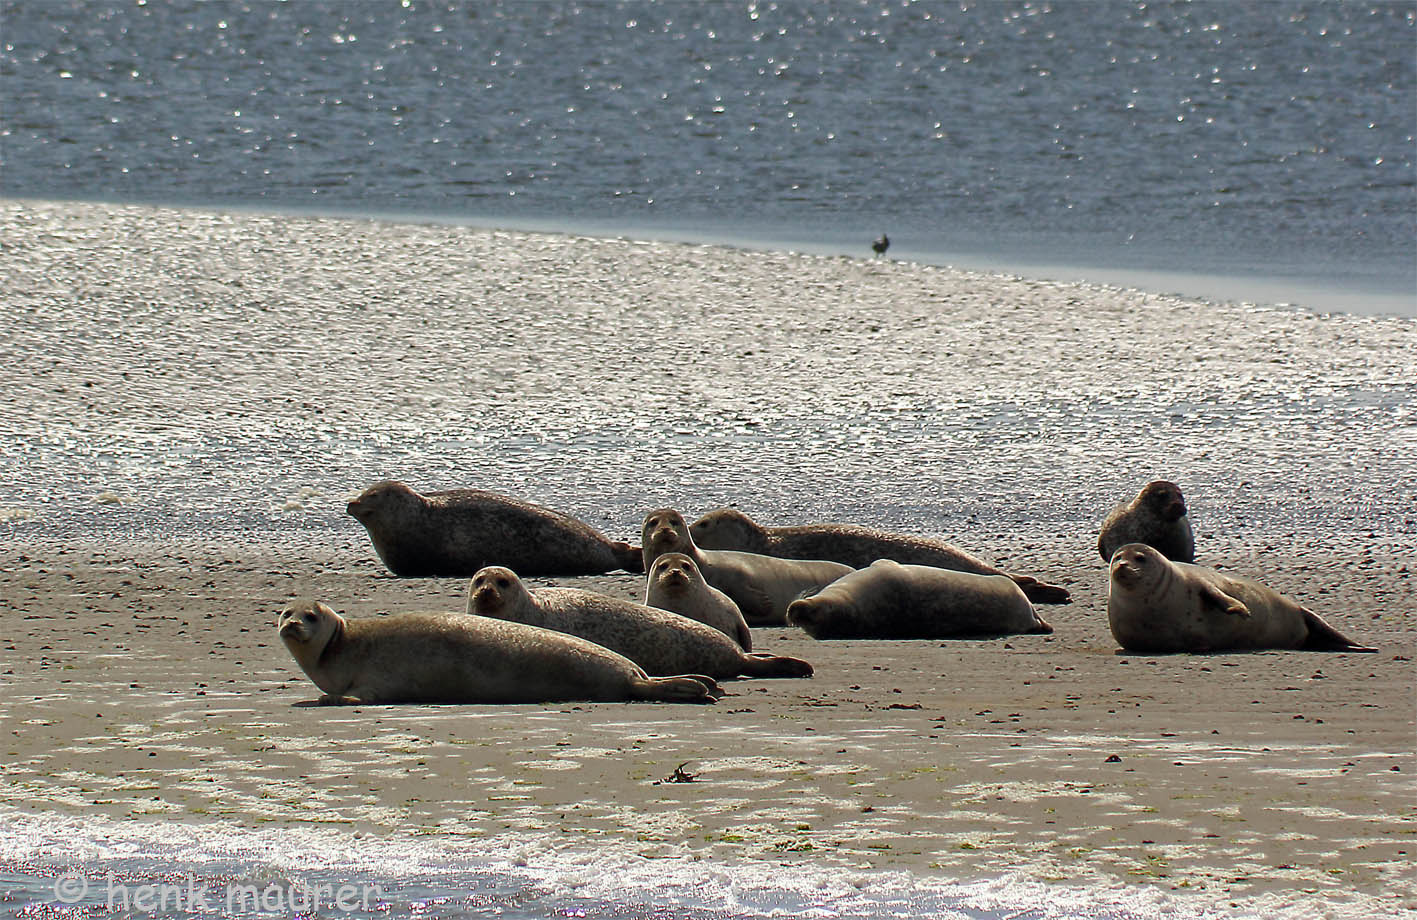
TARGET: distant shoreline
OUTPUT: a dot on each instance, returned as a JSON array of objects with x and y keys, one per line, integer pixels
[{"x": 1371, "y": 293}]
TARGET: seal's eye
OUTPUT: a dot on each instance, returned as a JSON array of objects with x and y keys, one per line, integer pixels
[{"x": 504, "y": 583}]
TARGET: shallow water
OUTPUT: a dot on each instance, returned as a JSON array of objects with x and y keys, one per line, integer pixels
[
  {"x": 1252, "y": 141},
  {"x": 283, "y": 873}
]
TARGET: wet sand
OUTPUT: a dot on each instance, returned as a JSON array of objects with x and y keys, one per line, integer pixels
[{"x": 144, "y": 682}]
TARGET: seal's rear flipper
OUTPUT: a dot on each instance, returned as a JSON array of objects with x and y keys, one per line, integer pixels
[
  {"x": 1042, "y": 629},
  {"x": 692, "y": 688},
  {"x": 1040, "y": 592},
  {"x": 1323, "y": 637},
  {"x": 775, "y": 666},
  {"x": 630, "y": 558}
]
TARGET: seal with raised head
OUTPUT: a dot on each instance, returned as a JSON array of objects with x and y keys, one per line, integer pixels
[
  {"x": 887, "y": 600},
  {"x": 457, "y": 532},
  {"x": 1156, "y": 605},
  {"x": 657, "y": 640},
  {"x": 454, "y": 658},
  {"x": 1156, "y": 517},
  {"x": 761, "y": 586},
  {"x": 853, "y": 545},
  {"x": 676, "y": 584}
]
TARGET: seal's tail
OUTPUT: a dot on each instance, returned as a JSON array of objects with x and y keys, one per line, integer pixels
[
  {"x": 1323, "y": 637},
  {"x": 630, "y": 558},
  {"x": 1041, "y": 629},
  {"x": 758, "y": 665},
  {"x": 690, "y": 688},
  {"x": 1040, "y": 592}
]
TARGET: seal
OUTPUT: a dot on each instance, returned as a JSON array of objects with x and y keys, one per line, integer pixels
[
  {"x": 858, "y": 547},
  {"x": 676, "y": 584},
  {"x": 657, "y": 640},
  {"x": 1156, "y": 517},
  {"x": 453, "y": 658},
  {"x": 457, "y": 532},
  {"x": 887, "y": 600},
  {"x": 762, "y": 586},
  {"x": 1156, "y": 605}
]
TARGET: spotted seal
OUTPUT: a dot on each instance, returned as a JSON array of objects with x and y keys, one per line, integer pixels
[
  {"x": 454, "y": 658},
  {"x": 887, "y": 600},
  {"x": 457, "y": 532},
  {"x": 1156, "y": 605},
  {"x": 1156, "y": 517},
  {"x": 676, "y": 584}
]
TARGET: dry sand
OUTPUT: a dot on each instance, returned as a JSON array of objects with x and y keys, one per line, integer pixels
[{"x": 144, "y": 682}]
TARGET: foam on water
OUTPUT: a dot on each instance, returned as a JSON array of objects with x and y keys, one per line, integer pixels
[{"x": 45, "y": 858}]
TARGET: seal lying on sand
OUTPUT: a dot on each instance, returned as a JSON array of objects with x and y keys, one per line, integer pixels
[
  {"x": 887, "y": 600},
  {"x": 459, "y": 531},
  {"x": 454, "y": 658},
  {"x": 657, "y": 640},
  {"x": 761, "y": 586},
  {"x": 1156, "y": 517},
  {"x": 676, "y": 584},
  {"x": 1156, "y": 605},
  {"x": 858, "y": 547}
]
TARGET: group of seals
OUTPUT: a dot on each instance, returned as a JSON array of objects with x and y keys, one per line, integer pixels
[
  {"x": 849, "y": 544},
  {"x": 457, "y": 532},
  {"x": 661, "y": 642},
  {"x": 455, "y": 658},
  {"x": 707, "y": 583},
  {"x": 1158, "y": 600},
  {"x": 761, "y": 586}
]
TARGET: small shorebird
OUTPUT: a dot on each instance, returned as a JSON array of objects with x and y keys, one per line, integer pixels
[{"x": 881, "y": 245}]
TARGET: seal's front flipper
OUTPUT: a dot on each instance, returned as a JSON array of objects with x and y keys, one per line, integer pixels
[
  {"x": 756, "y": 607},
  {"x": 331, "y": 700},
  {"x": 1227, "y": 604}
]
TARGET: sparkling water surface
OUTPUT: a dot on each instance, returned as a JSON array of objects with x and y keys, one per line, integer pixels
[{"x": 1261, "y": 142}]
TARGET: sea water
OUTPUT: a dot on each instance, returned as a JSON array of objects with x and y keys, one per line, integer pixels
[{"x": 1267, "y": 144}]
